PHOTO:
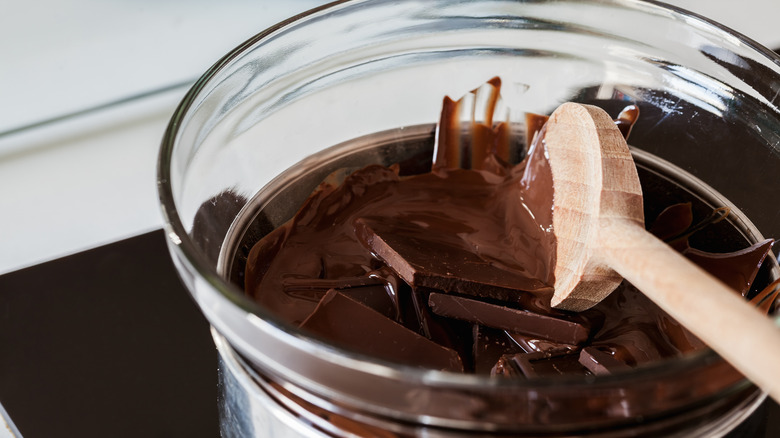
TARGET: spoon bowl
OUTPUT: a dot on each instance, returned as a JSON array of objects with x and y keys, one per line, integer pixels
[{"x": 597, "y": 217}]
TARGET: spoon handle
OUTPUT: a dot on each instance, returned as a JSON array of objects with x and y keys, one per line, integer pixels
[{"x": 719, "y": 316}]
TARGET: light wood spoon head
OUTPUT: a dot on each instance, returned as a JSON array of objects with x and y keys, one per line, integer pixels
[
  {"x": 594, "y": 177},
  {"x": 598, "y": 223}
]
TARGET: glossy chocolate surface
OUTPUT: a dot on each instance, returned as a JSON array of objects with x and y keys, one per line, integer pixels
[{"x": 462, "y": 257}]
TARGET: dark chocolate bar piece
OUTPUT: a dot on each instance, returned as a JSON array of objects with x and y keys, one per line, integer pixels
[
  {"x": 539, "y": 364},
  {"x": 600, "y": 362},
  {"x": 447, "y": 332},
  {"x": 489, "y": 346},
  {"x": 439, "y": 260},
  {"x": 505, "y": 366},
  {"x": 350, "y": 324},
  {"x": 737, "y": 269},
  {"x": 532, "y": 344},
  {"x": 375, "y": 292},
  {"x": 506, "y": 318}
]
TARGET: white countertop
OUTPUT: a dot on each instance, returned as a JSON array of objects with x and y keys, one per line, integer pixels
[{"x": 90, "y": 179}]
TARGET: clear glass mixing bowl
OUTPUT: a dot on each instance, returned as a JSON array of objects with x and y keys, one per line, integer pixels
[{"x": 708, "y": 99}]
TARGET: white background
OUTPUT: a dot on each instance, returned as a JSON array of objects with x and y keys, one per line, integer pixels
[{"x": 90, "y": 180}]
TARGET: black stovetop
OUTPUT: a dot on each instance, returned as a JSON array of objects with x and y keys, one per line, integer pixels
[{"x": 108, "y": 343}]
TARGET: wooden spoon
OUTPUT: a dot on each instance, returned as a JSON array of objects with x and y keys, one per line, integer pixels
[{"x": 599, "y": 225}]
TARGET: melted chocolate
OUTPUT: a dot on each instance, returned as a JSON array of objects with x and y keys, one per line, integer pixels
[
  {"x": 480, "y": 146},
  {"x": 451, "y": 269},
  {"x": 432, "y": 256},
  {"x": 327, "y": 239}
]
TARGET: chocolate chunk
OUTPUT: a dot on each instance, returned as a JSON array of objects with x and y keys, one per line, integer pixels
[
  {"x": 489, "y": 346},
  {"x": 434, "y": 259},
  {"x": 532, "y": 344},
  {"x": 372, "y": 291},
  {"x": 447, "y": 332},
  {"x": 539, "y": 364},
  {"x": 315, "y": 288},
  {"x": 350, "y": 324},
  {"x": 600, "y": 362},
  {"x": 505, "y": 367},
  {"x": 506, "y": 318},
  {"x": 737, "y": 269}
]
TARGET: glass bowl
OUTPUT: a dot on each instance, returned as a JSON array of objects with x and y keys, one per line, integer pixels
[{"x": 273, "y": 109}]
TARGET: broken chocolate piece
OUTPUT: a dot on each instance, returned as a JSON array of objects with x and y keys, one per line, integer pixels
[
  {"x": 600, "y": 362},
  {"x": 439, "y": 260},
  {"x": 489, "y": 345},
  {"x": 448, "y": 332},
  {"x": 373, "y": 291},
  {"x": 737, "y": 269},
  {"x": 506, "y": 367},
  {"x": 532, "y": 344},
  {"x": 350, "y": 324},
  {"x": 540, "y": 364},
  {"x": 506, "y": 318}
]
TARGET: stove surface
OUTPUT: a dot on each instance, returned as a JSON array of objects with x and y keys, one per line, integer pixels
[{"x": 106, "y": 342}]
